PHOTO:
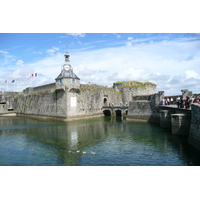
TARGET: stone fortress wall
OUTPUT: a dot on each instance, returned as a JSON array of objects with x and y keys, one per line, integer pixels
[
  {"x": 66, "y": 103},
  {"x": 194, "y": 136},
  {"x": 61, "y": 101},
  {"x": 145, "y": 107},
  {"x": 7, "y": 102},
  {"x": 49, "y": 104},
  {"x": 134, "y": 88}
]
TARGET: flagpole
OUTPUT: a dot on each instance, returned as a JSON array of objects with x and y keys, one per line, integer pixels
[
  {"x": 36, "y": 82},
  {"x": 20, "y": 86}
]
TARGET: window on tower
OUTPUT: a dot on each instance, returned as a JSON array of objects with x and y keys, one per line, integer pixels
[
  {"x": 73, "y": 81},
  {"x": 60, "y": 81}
]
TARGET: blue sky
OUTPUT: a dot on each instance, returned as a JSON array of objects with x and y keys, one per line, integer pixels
[{"x": 170, "y": 60}]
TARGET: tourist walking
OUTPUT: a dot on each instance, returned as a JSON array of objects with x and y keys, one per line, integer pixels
[
  {"x": 181, "y": 102},
  {"x": 187, "y": 102},
  {"x": 168, "y": 102},
  {"x": 178, "y": 102},
  {"x": 163, "y": 101},
  {"x": 171, "y": 100}
]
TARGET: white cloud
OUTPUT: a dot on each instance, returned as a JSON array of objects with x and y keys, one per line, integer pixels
[
  {"x": 118, "y": 36},
  {"x": 77, "y": 34},
  {"x": 192, "y": 74},
  {"x": 52, "y": 51},
  {"x": 129, "y": 44},
  {"x": 164, "y": 63},
  {"x": 130, "y": 74},
  {"x": 19, "y": 62},
  {"x": 3, "y": 52},
  {"x": 6, "y": 54}
]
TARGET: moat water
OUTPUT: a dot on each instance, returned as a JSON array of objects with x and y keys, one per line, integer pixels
[{"x": 116, "y": 142}]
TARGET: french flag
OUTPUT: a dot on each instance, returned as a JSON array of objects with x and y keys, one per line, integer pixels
[{"x": 34, "y": 75}]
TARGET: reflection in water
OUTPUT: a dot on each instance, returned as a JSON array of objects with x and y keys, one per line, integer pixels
[
  {"x": 32, "y": 142},
  {"x": 74, "y": 139}
]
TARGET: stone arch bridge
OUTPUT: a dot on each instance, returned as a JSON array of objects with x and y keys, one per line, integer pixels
[{"x": 115, "y": 110}]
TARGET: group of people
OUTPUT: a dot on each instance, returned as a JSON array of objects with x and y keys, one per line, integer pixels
[
  {"x": 180, "y": 102},
  {"x": 184, "y": 103},
  {"x": 167, "y": 101}
]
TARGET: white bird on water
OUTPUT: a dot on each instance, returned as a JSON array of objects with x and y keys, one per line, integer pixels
[
  {"x": 93, "y": 153},
  {"x": 84, "y": 152},
  {"x": 78, "y": 151}
]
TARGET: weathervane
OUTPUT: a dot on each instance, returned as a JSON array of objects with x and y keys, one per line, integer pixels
[{"x": 66, "y": 56}]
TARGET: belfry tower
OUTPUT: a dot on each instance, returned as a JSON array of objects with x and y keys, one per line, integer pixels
[{"x": 67, "y": 77}]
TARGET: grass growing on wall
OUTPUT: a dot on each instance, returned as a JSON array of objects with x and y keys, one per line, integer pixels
[
  {"x": 99, "y": 89},
  {"x": 134, "y": 83}
]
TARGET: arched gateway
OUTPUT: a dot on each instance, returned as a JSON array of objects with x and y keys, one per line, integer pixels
[{"x": 115, "y": 110}]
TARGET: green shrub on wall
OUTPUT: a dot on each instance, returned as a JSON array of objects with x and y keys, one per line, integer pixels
[{"x": 134, "y": 83}]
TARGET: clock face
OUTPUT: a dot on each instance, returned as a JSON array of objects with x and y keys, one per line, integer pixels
[{"x": 66, "y": 67}]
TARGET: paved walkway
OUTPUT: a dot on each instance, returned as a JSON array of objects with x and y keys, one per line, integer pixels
[{"x": 175, "y": 106}]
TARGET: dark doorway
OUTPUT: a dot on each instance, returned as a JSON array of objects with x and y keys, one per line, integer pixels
[
  {"x": 107, "y": 112},
  {"x": 118, "y": 113}
]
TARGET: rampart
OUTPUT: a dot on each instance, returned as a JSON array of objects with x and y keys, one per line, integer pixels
[
  {"x": 134, "y": 88},
  {"x": 145, "y": 107},
  {"x": 42, "y": 88}
]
